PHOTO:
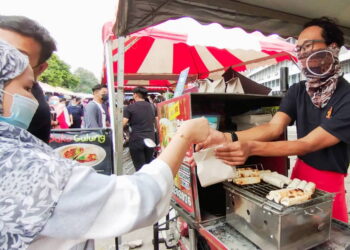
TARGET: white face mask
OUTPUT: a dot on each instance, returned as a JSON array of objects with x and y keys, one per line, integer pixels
[{"x": 22, "y": 111}]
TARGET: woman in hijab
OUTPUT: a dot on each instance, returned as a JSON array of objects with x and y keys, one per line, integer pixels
[{"x": 48, "y": 202}]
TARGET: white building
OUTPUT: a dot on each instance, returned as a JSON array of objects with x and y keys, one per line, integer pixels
[{"x": 270, "y": 76}]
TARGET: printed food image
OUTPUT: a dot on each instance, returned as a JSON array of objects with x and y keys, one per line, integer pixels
[
  {"x": 72, "y": 152},
  {"x": 86, "y": 154},
  {"x": 167, "y": 131}
]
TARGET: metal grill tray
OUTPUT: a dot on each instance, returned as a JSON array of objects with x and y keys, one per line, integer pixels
[{"x": 257, "y": 194}]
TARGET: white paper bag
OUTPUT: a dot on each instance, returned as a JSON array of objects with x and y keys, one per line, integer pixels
[
  {"x": 211, "y": 170},
  {"x": 234, "y": 86},
  {"x": 217, "y": 86}
]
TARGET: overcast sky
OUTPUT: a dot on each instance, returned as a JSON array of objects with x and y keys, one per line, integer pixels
[{"x": 75, "y": 24}]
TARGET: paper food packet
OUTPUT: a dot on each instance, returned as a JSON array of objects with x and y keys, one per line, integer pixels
[{"x": 211, "y": 170}]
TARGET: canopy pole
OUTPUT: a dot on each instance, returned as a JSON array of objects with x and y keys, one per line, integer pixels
[
  {"x": 120, "y": 104},
  {"x": 112, "y": 100}
]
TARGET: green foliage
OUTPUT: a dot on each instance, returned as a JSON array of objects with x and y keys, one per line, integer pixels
[
  {"x": 58, "y": 74},
  {"x": 86, "y": 80}
]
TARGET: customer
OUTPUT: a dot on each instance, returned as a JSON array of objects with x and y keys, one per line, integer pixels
[
  {"x": 320, "y": 106},
  {"x": 34, "y": 41},
  {"x": 141, "y": 118},
  {"x": 48, "y": 202},
  {"x": 96, "y": 111},
  {"x": 75, "y": 110}
]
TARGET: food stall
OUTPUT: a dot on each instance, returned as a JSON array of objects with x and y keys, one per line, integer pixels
[
  {"x": 229, "y": 216},
  {"x": 190, "y": 200}
]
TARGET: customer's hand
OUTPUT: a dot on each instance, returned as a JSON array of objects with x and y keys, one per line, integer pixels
[
  {"x": 195, "y": 130},
  {"x": 214, "y": 138}
]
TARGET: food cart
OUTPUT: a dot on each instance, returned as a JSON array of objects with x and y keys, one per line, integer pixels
[{"x": 226, "y": 216}]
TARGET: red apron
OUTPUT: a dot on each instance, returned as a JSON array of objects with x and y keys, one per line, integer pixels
[{"x": 328, "y": 181}]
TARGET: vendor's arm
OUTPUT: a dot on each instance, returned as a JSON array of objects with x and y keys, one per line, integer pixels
[
  {"x": 264, "y": 132},
  {"x": 236, "y": 153}
]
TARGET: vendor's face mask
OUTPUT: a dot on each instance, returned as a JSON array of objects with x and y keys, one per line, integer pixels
[
  {"x": 22, "y": 111},
  {"x": 318, "y": 63}
]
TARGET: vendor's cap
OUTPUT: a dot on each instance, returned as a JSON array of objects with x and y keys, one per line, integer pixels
[{"x": 12, "y": 64}]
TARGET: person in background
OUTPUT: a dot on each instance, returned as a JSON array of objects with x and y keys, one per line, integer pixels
[
  {"x": 76, "y": 112},
  {"x": 35, "y": 41},
  {"x": 320, "y": 106},
  {"x": 53, "y": 103},
  {"x": 141, "y": 118},
  {"x": 49, "y": 202},
  {"x": 96, "y": 112}
]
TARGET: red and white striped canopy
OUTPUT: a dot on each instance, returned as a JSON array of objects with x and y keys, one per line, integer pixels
[{"x": 156, "y": 56}]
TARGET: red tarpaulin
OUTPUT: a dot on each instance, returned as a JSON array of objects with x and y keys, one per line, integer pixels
[{"x": 157, "y": 56}]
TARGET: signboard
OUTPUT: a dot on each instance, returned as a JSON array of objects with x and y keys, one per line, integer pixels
[
  {"x": 90, "y": 147},
  {"x": 181, "y": 82},
  {"x": 172, "y": 113}
]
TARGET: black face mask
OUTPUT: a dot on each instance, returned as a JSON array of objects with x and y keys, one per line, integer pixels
[{"x": 104, "y": 97}]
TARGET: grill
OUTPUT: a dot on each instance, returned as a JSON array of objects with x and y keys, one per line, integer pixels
[
  {"x": 273, "y": 226},
  {"x": 258, "y": 192}
]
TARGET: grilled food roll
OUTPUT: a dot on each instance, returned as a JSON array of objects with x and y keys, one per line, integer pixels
[
  {"x": 302, "y": 185},
  {"x": 264, "y": 172},
  {"x": 294, "y": 183},
  {"x": 283, "y": 178},
  {"x": 246, "y": 172},
  {"x": 246, "y": 180},
  {"x": 278, "y": 195},
  {"x": 296, "y": 198},
  {"x": 310, "y": 187},
  {"x": 273, "y": 180}
]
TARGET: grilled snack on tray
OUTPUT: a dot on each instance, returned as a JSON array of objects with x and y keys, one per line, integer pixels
[
  {"x": 292, "y": 196},
  {"x": 246, "y": 176},
  {"x": 296, "y": 196},
  {"x": 246, "y": 180}
]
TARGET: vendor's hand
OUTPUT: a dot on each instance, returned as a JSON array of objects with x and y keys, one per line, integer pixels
[
  {"x": 233, "y": 153},
  {"x": 215, "y": 138},
  {"x": 195, "y": 130}
]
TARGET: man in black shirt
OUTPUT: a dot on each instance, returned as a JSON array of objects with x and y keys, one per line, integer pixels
[
  {"x": 75, "y": 109},
  {"x": 141, "y": 118},
  {"x": 321, "y": 108},
  {"x": 35, "y": 41}
]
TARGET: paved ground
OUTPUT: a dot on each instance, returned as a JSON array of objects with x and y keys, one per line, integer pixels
[{"x": 146, "y": 234}]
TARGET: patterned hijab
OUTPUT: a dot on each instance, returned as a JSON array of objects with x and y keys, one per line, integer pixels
[
  {"x": 32, "y": 175},
  {"x": 12, "y": 64}
]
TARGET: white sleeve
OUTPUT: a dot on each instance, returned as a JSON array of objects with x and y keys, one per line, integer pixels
[
  {"x": 95, "y": 206},
  {"x": 142, "y": 204}
]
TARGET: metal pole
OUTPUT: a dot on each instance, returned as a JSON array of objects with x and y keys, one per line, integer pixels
[
  {"x": 120, "y": 104},
  {"x": 117, "y": 130},
  {"x": 193, "y": 238},
  {"x": 112, "y": 100}
]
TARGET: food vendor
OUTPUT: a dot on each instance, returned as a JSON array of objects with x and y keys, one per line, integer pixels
[
  {"x": 320, "y": 106},
  {"x": 49, "y": 202}
]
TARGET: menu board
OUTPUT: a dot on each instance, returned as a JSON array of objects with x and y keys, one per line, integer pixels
[
  {"x": 89, "y": 147},
  {"x": 172, "y": 114}
]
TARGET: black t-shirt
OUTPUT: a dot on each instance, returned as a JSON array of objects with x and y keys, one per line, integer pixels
[
  {"x": 334, "y": 118},
  {"x": 76, "y": 111},
  {"x": 141, "y": 117},
  {"x": 41, "y": 122}
]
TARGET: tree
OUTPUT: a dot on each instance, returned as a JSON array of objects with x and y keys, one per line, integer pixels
[
  {"x": 86, "y": 80},
  {"x": 58, "y": 74}
]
